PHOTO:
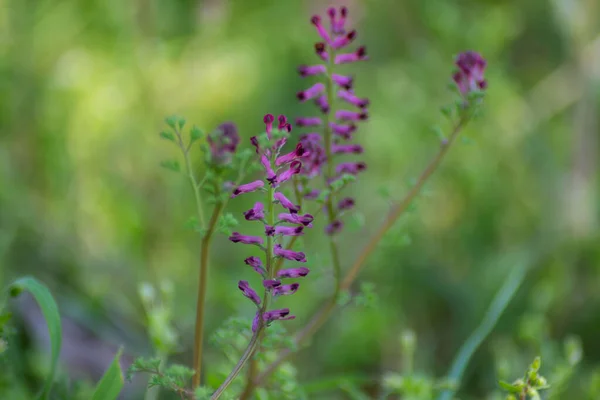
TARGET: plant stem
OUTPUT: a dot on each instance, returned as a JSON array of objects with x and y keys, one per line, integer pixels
[
  {"x": 397, "y": 210},
  {"x": 200, "y": 311}
]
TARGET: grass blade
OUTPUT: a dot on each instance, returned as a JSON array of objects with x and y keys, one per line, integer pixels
[{"x": 111, "y": 383}]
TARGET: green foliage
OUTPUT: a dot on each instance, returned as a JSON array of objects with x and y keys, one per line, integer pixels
[
  {"x": 367, "y": 296},
  {"x": 530, "y": 385},
  {"x": 174, "y": 377},
  {"x": 226, "y": 223},
  {"x": 171, "y": 165},
  {"x": 111, "y": 383}
]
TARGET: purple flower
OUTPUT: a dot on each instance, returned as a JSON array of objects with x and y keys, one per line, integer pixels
[
  {"x": 298, "y": 152},
  {"x": 256, "y": 213},
  {"x": 352, "y": 99},
  {"x": 469, "y": 78},
  {"x": 308, "y": 121},
  {"x": 346, "y": 204},
  {"x": 313, "y": 194},
  {"x": 305, "y": 219},
  {"x": 256, "y": 264},
  {"x": 268, "y": 120},
  {"x": 359, "y": 55},
  {"x": 293, "y": 272},
  {"x": 346, "y": 115},
  {"x": 316, "y": 21},
  {"x": 223, "y": 142},
  {"x": 271, "y": 283},
  {"x": 347, "y": 149},
  {"x": 247, "y": 188},
  {"x": 310, "y": 70},
  {"x": 237, "y": 237},
  {"x": 321, "y": 52},
  {"x": 312, "y": 92},
  {"x": 334, "y": 227},
  {"x": 322, "y": 103},
  {"x": 352, "y": 168},
  {"x": 338, "y": 26},
  {"x": 284, "y": 290},
  {"x": 254, "y": 141},
  {"x": 274, "y": 315},
  {"x": 283, "y": 124},
  {"x": 249, "y": 292},
  {"x": 343, "y": 41},
  {"x": 289, "y": 254},
  {"x": 342, "y": 81},
  {"x": 286, "y": 203},
  {"x": 284, "y": 230},
  {"x": 344, "y": 131},
  {"x": 255, "y": 321},
  {"x": 266, "y": 163},
  {"x": 295, "y": 167}
]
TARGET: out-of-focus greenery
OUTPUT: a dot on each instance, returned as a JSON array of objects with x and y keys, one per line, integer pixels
[{"x": 85, "y": 207}]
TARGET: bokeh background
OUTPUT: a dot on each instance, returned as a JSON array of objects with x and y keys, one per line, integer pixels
[{"x": 85, "y": 207}]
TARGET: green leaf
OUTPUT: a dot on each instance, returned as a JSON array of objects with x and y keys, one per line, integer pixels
[
  {"x": 195, "y": 134},
  {"x": 111, "y": 383},
  {"x": 167, "y": 136},
  {"x": 171, "y": 165},
  {"x": 509, "y": 387},
  {"x": 46, "y": 302}
]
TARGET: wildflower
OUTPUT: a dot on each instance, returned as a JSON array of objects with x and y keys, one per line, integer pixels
[
  {"x": 346, "y": 204},
  {"x": 293, "y": 272},
  {"x": 249, "y": 292},
  {"x": 223, "y": 142},
  {"x": 351, "y": 168},
  {"x": 256, "y": 264},
  {"x": 352, "y": 99},
  {"x": 256, "y": 213},
  {"x": 305, "y": 219},
  {"x": 237, "y": 237},
  {"x": 289, "y": 254},
  {"x": 274, "y": 315},
  {"x": 334, "y": 227},
  {"x": 346, "y": 115},
  {"x": 312, "y": 92},
  {"x": 306, "y": 70},
  {"x": 469, "y": 78},
  {"x": 284, "y": 290},
  {"x": 247, "y": 188},
  {"x": 286, "y": 203}
]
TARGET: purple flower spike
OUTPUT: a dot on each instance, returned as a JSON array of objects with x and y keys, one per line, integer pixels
[
  {"x": 237, "y": 237},
  {"x": 347, "y": 149},
  {"x": 275, "y": 315},
  {"x": 312, "y": 92},
  {"x": 223, "y": 142},
  {"x": 286, "y": 203},
  {"x": 309, "y": 121},
  {"x": 334, "y": 227},
  {"x": 344, "y": 131},
  {"x": 268, "y": 120},
  {"x": 294, "y": 169},
  {"x": 346, "y": 115},
  {"x": 352, "y": 168},
  {"x": 316, "y": 21},
  {"x": 256, "y": 213},
  {"x": 310, "y": 70},
  {"x": 343, "y": 41},
  {"x": 289, "y": 254},
  {"x": 293, "y": 272},
  {"x": 256, "y": 264},
  {"x": 359, "y": 55},
  {"x": 342, "y": 81},
  {"x": 247, "y": 188},
  {"x": 285, "y": 290},
  {"x": 346, "y": 204},
  {"x": 320, "y": 50},
  {"x": 352, "y": 99},
  {"x": 255, "y": 321},
  {"x": 249, "y": 292},
  {"x": 271, "y": 283},
  {"x": 322, "y": 103},
  {"x": 298, "y": 152},
  {"x": 305, "y": 219},
  {"x": 284, "y": 230}
]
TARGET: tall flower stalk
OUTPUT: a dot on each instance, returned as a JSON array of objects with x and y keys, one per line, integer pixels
[{"x": 280, "y": 217}]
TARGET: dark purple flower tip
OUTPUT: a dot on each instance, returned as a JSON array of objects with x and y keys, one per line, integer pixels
[
  {"x": 334, "y": 227},
  {"x": 321, "y": 52},
  {"x": 346, "y": 204},
  {"x": 352, "y": 168},
  {"x": 295, "y": 168},
  {"x": 247, "y": 188},
  {"x": 256, "y": 213},
  {"x": 342, "y": 81},
  {"x": 289, "y": 254},
  {"x": 271, "y": 283},
  {"x": 282, "y": 120},
  {"x": 308, "y": 121},
  {"x": 275, "y": 315},
  {"x": 359, "y": 55},
  {"x": 237, "y": 237},
  {"x": 322, "y": 103},
  {"x": 284, "y": 230},
  {"x": 344, "y": 131},
  {"x": 312, "y": 92},
  {"x": 254, "y": 142},
  {"x": 352, "y": 98},
  {"x": 293, "y": 272},
  {"x": 285, "y": 290},
  {"x": 331, "y": 12},
  {"x": 305, "y": 219},
  {"x": 223, "y": 142},
  {"x": 346, "y": 115},
  {"x": 347, "y": 149},
  {"x": 343, "y": 41},
  {"x": 286, "y": 203},
  {"x": 249, "y": 292},
  {"x": 256, "y": 264},
  {"x": 298, "y": 152},
  {"x": 310, "y": 70}
]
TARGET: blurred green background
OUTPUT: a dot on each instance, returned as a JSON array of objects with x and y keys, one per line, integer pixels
[{"x": 85, "y": 207}]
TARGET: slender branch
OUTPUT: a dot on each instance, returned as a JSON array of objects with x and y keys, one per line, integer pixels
[{"x": 397, "y": 210}]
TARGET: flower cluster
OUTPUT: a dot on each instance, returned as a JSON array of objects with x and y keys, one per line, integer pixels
[
  {"x": 338, "y": 125},
  {"x": 469, "y": 77},
  {"x": 278, "y": 169},
  {"x": 223, "y": 143}
]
